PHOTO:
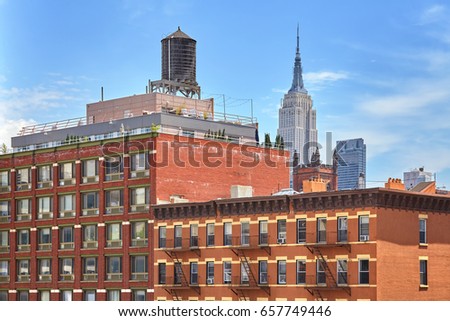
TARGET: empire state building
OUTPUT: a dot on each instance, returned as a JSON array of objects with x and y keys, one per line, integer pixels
[{"x": 297, "y": 117}]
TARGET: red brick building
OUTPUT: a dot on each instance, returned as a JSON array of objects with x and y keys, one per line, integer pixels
[
  {"x": 75, "y": 220},
  {"x": 373, "y": 244}
]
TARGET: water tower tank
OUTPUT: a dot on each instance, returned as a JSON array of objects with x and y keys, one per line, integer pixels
[{"x": 179, "y": 58}]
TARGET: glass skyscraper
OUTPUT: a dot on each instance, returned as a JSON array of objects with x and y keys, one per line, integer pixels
[{"x": 351, "y": 170}]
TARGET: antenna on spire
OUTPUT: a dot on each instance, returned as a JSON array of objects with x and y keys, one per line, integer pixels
[{"x": 298, "y": 37}]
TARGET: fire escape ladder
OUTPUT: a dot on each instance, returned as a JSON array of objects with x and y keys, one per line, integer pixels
[
  {"x": 252, "y": 282},
  {"x": 329, "y": 275}
]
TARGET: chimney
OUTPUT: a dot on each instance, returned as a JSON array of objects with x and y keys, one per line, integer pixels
[
  {"x": 314, "y": 185},
  {"x": 394, "y": 183}
]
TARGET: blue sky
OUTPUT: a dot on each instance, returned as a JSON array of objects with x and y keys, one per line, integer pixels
[{"x": 379, "y": 70}]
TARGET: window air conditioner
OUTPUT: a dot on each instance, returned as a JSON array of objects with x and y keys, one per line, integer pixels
[
  {"x": 210, "y": 281},
  {"x": 281, "y": 240},
  {"x": 364, "y": 238}
]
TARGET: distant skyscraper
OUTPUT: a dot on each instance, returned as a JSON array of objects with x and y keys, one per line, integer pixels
[
  {"x": 351, "y": 169},
  {"x": 297, "y": 118},
  {"x": 416, "y": 176}
]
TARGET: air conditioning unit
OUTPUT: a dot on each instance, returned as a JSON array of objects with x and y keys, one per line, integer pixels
[
  {"x": 90, "y": 212},
  {"x": 114, "y": 210},
  {"x": 140, "y": 174},
  {"x": 5, "y": 189},
  {"x": 23, "y": 187},
  {"x": 114, "y": 276},
  {"x": 45, "y": 184},
  {"x": 66, "y": 182},
  {"x": 25, "y": 247},
  {"x": 90, "y": 277},
  {"x": 23, "y": 278},
  {"x": 90, "y": 244},
  {"x": 67, "y": 214},
  {"x": 66, "y": 246},
  {"x": 210, "y": 281},
  {"x": 45, "y": 277},
  {"x": 90, "y": 179},
  {"x": 45, "y": 216},
  {"x": 281, "y": 240},
  {"x": 67, "y": 277},
  {"x": 139, "y": 208},
  {"x": 4, "y": 219},
  {"x": 139, "y": 242},
  {"x": 114, "y": 177},
  {"x": 364, "y": 238},
  {"x": 45, "y": 247},
  {"x": 114, "y": 243}
]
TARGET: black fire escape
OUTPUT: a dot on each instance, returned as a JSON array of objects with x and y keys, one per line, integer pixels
[
  {"x": 326, "y": 281},
  {"x": 179, "y": 282},
  {"x": 243, "y": 247}
]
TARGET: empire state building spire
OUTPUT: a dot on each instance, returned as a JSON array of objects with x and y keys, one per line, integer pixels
[{"x": 297, "y": 81}]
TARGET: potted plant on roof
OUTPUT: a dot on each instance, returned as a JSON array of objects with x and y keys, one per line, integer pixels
[{"x": 154, "y": 130}]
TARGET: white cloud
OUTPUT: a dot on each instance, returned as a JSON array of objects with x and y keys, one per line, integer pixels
[
  {"x": 324, "y": 77},
  {"x": 432, "y": 14},
  {"x": 281, "y": 91}
]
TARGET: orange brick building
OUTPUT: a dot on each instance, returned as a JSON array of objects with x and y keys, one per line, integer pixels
[{"x": 373, "y": 244}]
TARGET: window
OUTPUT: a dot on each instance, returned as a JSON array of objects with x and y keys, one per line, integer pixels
[
  {"x": 3, "y": 295},
  {"x": 44, "y": 239},
  {"x": 44, "y": 295},
  {"x": 90, "y": 171},
  {"x": 321, "y": 230},
  {"x": 23, "y": 270},
  {"x": 66, "y": 269},
  {"x": 227, "y": 272},
  {"x": 4, "y": 181},
  {"x": 44, "y": 179},
  {"x": 66, "y": 174},
  {"x": 4, "y": 271},
  {"x": 178, "y": 236},
  {"x": 162, "y": 237},
  {"x": 90, "y": 203},
  {"x": 281, "y": 228},
  {"x": 89, "y": 268},
  {"x": 363, "y": 271},
  {"x": 162, "y": 273},
  {"x": 244, "y": 273},
  {"x": 342, "y": 229},
  {"x": 66, "y": 295},
  {"x": 139, "y": 234},
  {"x": 113, "y": 168},
  {"x": 139, "y": 267},
  {"x": 22, "y": 295},
  {"x": 320, "y": 272},
  {"x": 210, "y": 234},
  {"x": 194, "y": 235},
  {"x": 341, "y": 271},
  {"x": 139, "y": 165},
  {"x": 210, "y": 272},
  {"x": 194, "y": 273},
  {"x": 114, "y": 268},
  {"x": 114, "y": 201},
  {"x": 139, "y": 199},
  {"x": 364, "y": 228},
  {"x": 44, "y": 269},
  {"x": 89, "y": 295},
  {"x": 45, "y": 207},
  {"x": 113, "y": 295},
  {"x": 23, "y": 240},
  {"x": 177, "y": 273},
  {"x": 422, "y": 231},
  {"x": 114, "y": 235},
  {"x": 90, "y": 236},
  {"x": 263, "y": 233},
  {"x": 281, "y": 272},
  {"x": 227, "y": 233},
  {"x": 423, "y": 272},
  {"x": 139, "y": 295},
  {"x": 245, "y": 233},
  {"x": 4, "y": 241},
  {"x": 4, "y": 211},
  {"x": 262, "y": 267},
  {"x": 66, "y": 238},
  {"x": 301, "y": 272},
  {"x": 23, "y": 178},
  {"x": 301, "y": 230},
  {"x": 23, "y": 210},
  {"x": 67, "y": 205}
]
